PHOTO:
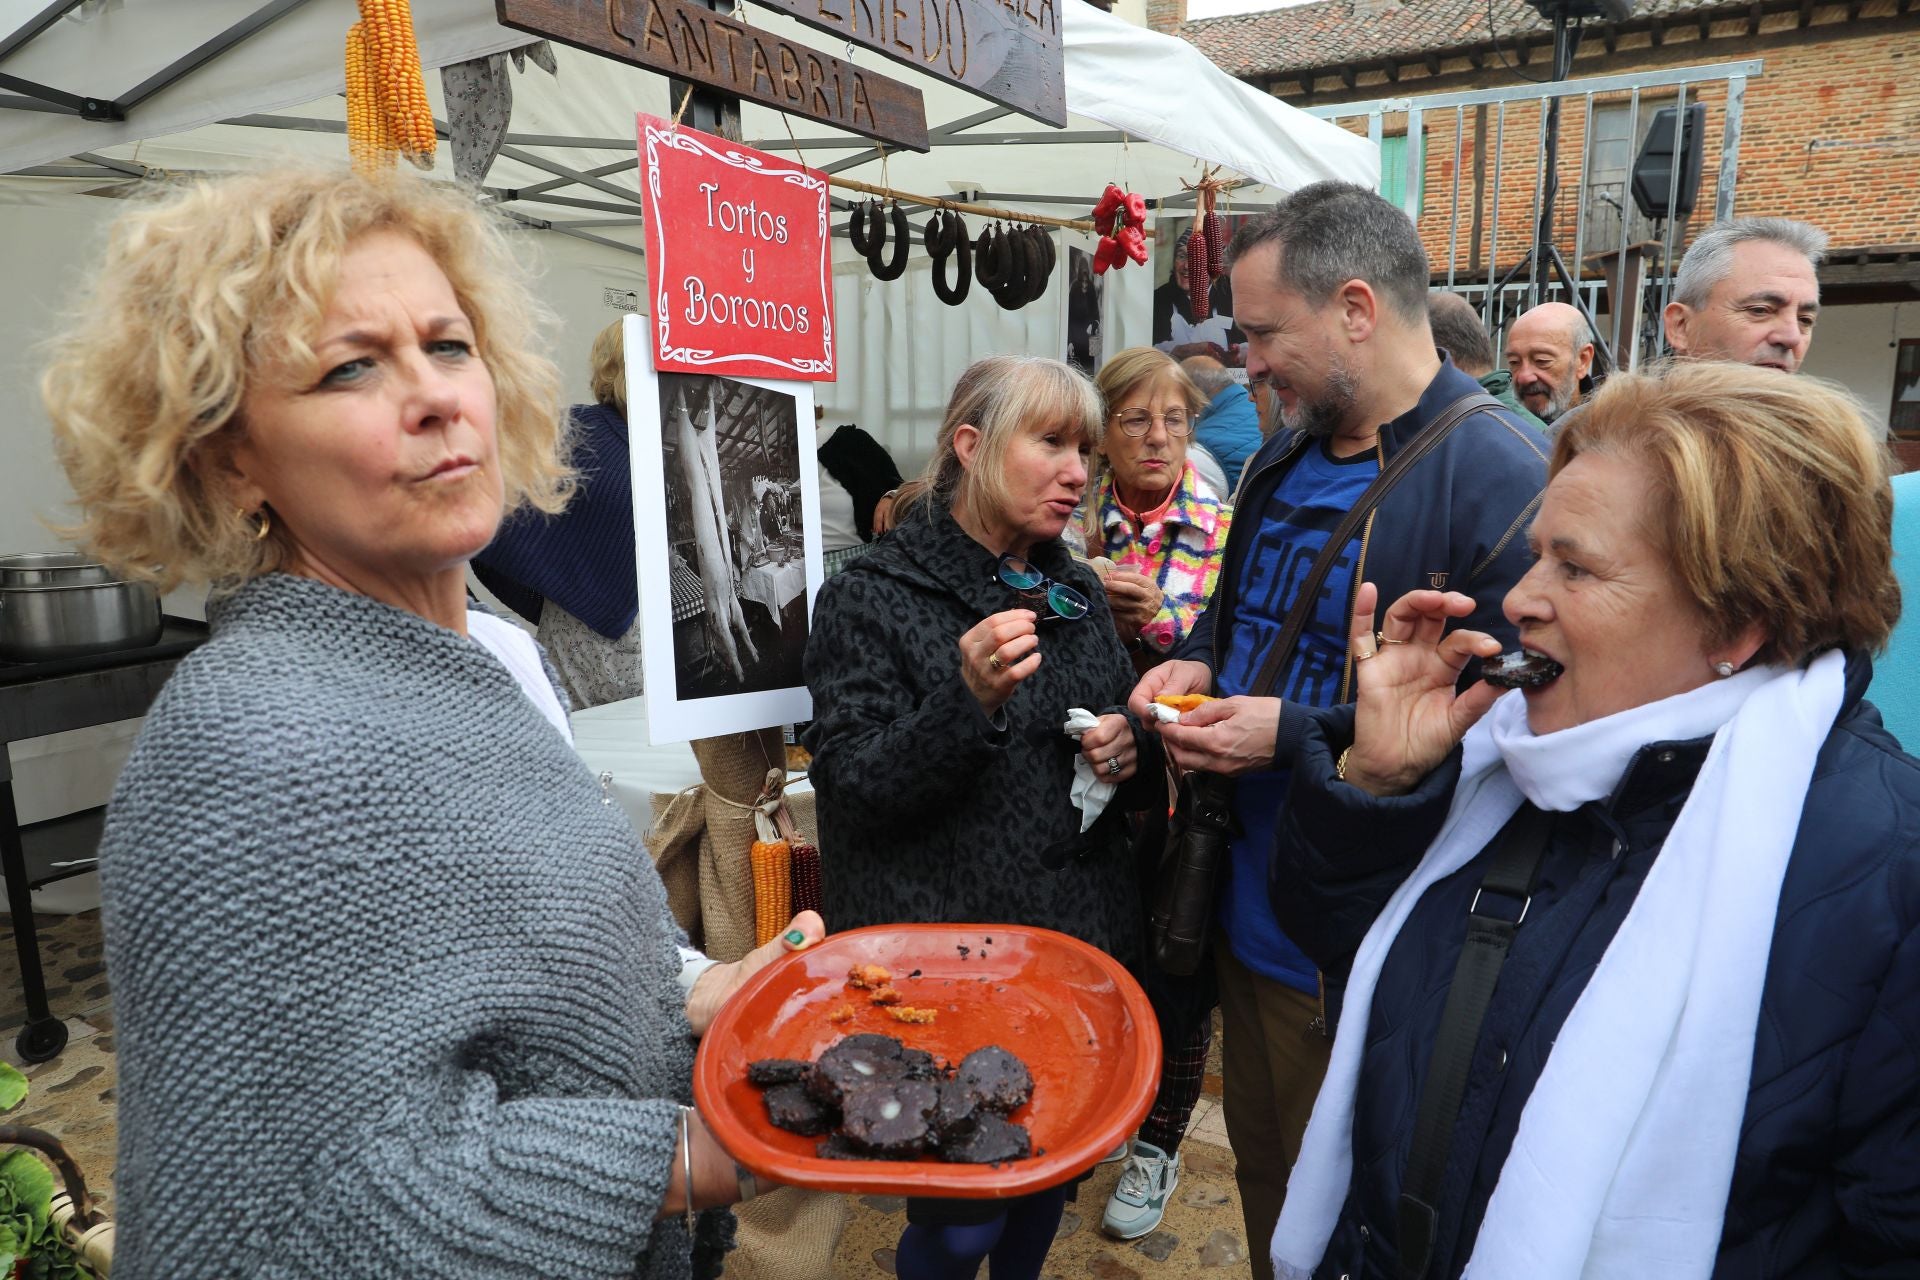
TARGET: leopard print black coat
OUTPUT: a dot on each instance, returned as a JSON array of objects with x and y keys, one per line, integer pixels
[{"x": 927, "y": 812}]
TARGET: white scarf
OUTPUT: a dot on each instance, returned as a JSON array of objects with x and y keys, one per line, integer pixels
[{"x": 1623, "y": 1157}]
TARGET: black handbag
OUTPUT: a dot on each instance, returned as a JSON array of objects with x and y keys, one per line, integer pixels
[{"x": 1188, "y": 878}]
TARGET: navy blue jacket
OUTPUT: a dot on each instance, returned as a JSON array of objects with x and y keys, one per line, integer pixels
[
  {"x": 1459, "y": 516},
  {"x": 1229, "y": 429},
  {"x": 1826, "y": 1181}
]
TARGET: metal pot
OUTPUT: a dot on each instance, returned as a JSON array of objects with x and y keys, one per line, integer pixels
[
  {"x": 52, "y": 569},
  {"x": 41, "y": 623}
]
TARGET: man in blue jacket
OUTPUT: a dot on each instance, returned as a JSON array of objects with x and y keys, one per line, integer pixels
[
  {"x": 1330, "y": 289},
  {"x": 1229, "y": 427}
]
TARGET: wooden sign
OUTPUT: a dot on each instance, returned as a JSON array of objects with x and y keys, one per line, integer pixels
[
  {"x": 684, "y": 39},
  {"x": 736, "y": 257},
  {"x": 1006, "y": 50}
]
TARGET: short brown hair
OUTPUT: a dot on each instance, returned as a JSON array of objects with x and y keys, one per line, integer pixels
[
  {"x": 1771, "y": 499},
  {"x": 216, "y": 279},
  {"x": 1126, "y": 370}
]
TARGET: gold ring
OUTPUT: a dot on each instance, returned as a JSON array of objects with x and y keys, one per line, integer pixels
[
  {"x": 993, "y": 660},
  {"x": 1384, "y": 638},
  {"x": 1362, "y": 657}
]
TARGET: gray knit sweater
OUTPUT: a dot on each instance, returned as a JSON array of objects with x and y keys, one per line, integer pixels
[{"x": 394, "y": 988}]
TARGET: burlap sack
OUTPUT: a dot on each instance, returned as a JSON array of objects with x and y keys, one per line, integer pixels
[
  {"x": 735, "y": 772},
  {"x": 701, "y": 841},
  {"x": 788, "y": 1234},
  {"x": 673, "y": 838}
]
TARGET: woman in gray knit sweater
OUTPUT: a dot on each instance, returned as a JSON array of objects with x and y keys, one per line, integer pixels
[{"x": 397, "y": 992}]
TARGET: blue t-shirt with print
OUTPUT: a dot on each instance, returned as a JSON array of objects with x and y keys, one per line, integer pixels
[{"x": 1306, "y": 505}]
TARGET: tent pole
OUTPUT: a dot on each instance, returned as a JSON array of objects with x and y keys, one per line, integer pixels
[{"x": 961, "y": 206}]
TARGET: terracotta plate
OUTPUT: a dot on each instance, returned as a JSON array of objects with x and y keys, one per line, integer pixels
[{"x": 1080, "y": 1022}]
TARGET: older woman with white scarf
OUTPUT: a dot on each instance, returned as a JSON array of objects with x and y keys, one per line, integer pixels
[{"x": 1631, "y": 954}]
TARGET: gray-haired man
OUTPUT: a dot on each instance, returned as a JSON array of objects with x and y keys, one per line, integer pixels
[{"x": 1748, "y": 291}]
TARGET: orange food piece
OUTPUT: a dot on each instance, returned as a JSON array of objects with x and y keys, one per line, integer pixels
[
  {"x": 842, "y": 1013},
  {"x": 868, "y": 977},
  {"x": 1183, "y": 702},
  {"x": 907, "y": 1013},
  {"x": 886, "y": 995}
]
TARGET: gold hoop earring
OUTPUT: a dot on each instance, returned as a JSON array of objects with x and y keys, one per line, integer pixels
[{"x": 261, "y": 529}]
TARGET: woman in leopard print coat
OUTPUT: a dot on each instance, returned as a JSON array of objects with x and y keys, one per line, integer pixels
[{"x": 941, "y": 772}]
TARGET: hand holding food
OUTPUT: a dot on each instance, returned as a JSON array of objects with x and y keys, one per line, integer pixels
[
  {"x": 1228, "y": 736},
  {"x": 1178, "y": 676},
  {"x": 712, "y": 988},
  {"x": 1407, "y": 716},
  {"x": 1135, "y": 600},
  {"x": 998, "y": 653}
]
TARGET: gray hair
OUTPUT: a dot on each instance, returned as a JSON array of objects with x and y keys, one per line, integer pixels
[
  {"x": 1331, "y": 232},
  {"x": 1208, "y": 374},
  {"x": 1711, "y": 257}
]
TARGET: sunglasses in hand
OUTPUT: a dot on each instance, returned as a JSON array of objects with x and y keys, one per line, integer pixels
[{"x": 1067, "y": 604}]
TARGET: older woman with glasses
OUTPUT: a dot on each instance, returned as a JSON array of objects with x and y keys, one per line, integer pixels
[
  {"x": 1149, "y": 513},
  {"x": 943, "y": 665}
]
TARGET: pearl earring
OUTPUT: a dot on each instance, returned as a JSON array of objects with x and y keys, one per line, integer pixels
[{"x": 1723, "y": 669}]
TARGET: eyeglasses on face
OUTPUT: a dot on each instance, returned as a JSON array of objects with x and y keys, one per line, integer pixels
[
  {"x": 1067, "y": 604},
  {"x": 1137, "y": 422}
]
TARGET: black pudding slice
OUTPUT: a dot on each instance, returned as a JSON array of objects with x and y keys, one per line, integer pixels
[
  {"x": 835, "y": 1147},
  {"x": 958, "y": 1109},
  {"x": 991, "y": 1141},
  {"x": 891, "y": 1118},
  {"x": 854, "y": 1061},
  {"x": 1521, "y": 670},
  {"x": 790, "y": 1107},
  {"x": 771, "y": 1071},
  {"x": 999, "y": 1080}
]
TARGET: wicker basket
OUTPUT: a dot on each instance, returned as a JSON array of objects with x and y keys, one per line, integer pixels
[{"x": 84, "y": 1228}]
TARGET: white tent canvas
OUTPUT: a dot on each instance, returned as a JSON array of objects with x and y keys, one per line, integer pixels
[{"x": 1147, "y": 111}]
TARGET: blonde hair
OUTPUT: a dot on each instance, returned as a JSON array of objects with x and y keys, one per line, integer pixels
[
  {"x": 1770, "y": 498},
  {"x": 999, "y": 396},
  {"x": 609, "y": 360},
  {"x": 213, "y": 281}
]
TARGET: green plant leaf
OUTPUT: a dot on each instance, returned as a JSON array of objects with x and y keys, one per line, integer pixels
[
  {"x": 32, "y": 1183},
  {"x": 13, "y": 1088}
]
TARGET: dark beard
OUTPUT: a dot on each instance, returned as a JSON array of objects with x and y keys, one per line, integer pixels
[{"x": 1323, "y": 417}]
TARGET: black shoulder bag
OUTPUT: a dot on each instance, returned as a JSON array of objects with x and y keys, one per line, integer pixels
[
  {"x": 1513, "y": 875},
  {"x": 1188, "y": 877}
]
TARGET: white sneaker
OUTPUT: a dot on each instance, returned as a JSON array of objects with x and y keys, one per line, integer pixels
[
  {"x": 1119, "y": 1153},
  {"x": 1140, "y": 1201}
]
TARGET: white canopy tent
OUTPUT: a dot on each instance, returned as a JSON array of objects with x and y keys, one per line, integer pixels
[{"x": 219, "y": 84}]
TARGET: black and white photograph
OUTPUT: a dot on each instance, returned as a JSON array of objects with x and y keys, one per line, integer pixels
[
  {"x": 1086, "y": 295},
  {"x": 728, "y": 549}
]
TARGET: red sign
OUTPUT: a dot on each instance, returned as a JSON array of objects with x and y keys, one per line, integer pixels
[{"x": 737, "y": 257}]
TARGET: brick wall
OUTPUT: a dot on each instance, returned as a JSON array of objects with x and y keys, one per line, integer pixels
[
  {"x": 1165, "y": 15},
  {"x": 1831, "y": 130}
]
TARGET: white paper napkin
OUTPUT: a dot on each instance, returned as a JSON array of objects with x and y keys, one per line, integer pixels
[{"x": 1090, "y": 793}]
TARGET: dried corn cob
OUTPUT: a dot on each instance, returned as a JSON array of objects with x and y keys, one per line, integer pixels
[
  {"x": 806, "y": 879},
  {"x": 369, "y": 135},
  {"x": 1198, "y": 300},
  {"x": 395, "y": 58},
  {"x": 772, "y": 889}
]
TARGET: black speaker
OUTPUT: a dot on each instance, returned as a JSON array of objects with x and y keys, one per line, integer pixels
[
  {"x": 1653, "y": 168},
  {"x": 1605, "y": 10}
]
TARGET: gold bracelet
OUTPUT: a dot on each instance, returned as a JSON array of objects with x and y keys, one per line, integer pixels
[{"x": 1340, "y": 765}]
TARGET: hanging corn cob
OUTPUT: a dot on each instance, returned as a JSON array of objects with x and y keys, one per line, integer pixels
[
  {"x": 772, "y": 863},
  {"x": 806, "y": 879},
  {"x": 394, "y": 114},
  {"x": 369, "y": 133}
]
